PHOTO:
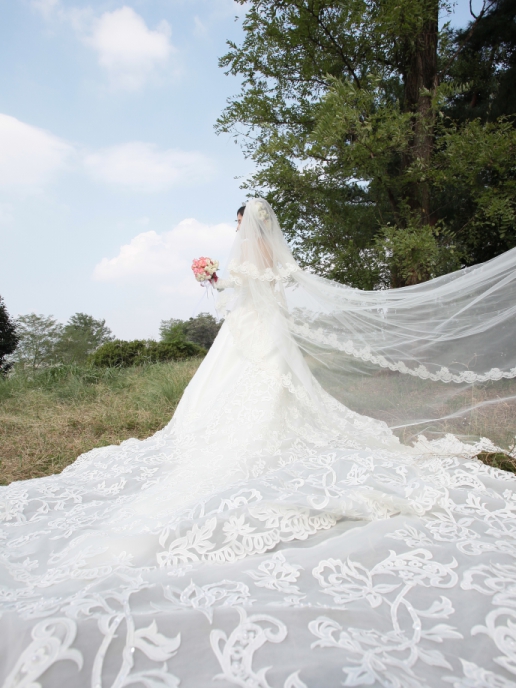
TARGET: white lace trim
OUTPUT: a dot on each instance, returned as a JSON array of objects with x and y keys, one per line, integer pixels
[
  {"x": 278, "y": 274},
  {"x": 365, "y": 354}
]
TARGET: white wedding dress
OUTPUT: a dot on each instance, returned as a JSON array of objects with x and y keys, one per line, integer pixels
[{"x": 271, "y": 536}]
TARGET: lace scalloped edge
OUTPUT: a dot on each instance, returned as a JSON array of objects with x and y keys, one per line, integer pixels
[
  {"x": 365, "y": 354},
  {"x": 278, "y": 274}
]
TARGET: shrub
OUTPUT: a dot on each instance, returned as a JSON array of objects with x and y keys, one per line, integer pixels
[
  {"x": 138, "y": 352},
  {"x": 176, "y": 350}
]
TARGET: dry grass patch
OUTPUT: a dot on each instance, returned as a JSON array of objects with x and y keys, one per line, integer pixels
[
  {"x": 48, "y": 420},
  {"x": 396, "y": 399}
]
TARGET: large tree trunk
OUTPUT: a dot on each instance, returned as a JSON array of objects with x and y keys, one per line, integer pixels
[{"x": 420, "y": 81}]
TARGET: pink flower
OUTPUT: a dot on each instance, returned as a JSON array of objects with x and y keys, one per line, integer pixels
[{"x": 204, "y": 268}]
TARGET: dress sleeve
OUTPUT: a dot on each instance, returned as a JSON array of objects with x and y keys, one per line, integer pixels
[{"x": 222, "y": 284}]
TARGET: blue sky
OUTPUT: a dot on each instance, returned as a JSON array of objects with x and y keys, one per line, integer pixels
[{"x": 111, "y": 177}]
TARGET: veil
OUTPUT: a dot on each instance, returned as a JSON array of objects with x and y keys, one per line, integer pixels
[{"x": 433, "y": 359}]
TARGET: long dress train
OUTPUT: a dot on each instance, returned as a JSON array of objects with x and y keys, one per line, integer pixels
[{"x": 269, "y": 536}]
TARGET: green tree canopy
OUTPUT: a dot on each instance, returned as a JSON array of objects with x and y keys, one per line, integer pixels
[
  {"x": 172, "y": 329},
  {"x": 38, "y": 338},
  {"x": 8, "y": 338},
  {"x": 346, "y": 108},
  {"x": 80, "y": 337},
  {"x": 486, "y": 65},
  {"x": 200, "y": 330}
]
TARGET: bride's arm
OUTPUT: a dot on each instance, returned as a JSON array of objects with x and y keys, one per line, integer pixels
[{"x": 221, "y": 284}]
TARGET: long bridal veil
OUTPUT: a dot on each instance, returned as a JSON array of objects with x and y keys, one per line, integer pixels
[
  {"x": 429, "y": 360},
  {"x": 272, "y": 537}
]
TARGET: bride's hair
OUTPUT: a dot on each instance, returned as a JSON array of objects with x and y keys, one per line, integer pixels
[{"x": 241, "y": 210}]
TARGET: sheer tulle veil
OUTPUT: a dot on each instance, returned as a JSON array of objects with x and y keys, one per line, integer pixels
[
  {"x": 429, "y": 359},
  {"x": 270, "y": 536}
]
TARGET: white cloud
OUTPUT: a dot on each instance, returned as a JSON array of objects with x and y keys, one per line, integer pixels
[
  {"x": 79, "y": 18},
  {"x": 29, "y": 156},
  {"x": 127, "y": 49},
  {"x": 45, "y": 7},
  {"x": 165, "y": 259},
  {"x": 143, "y": 167}
]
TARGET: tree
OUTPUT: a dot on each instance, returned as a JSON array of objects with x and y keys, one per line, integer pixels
[
  {"x": 481, "y": 137},
  {"x": 172, "y": 330},
  {"x": 200, "y": 330},
  {"x": 80, "y": 337},
  {"x": 486, "y": 66},
  {"x": 343, "y": 109},
  {"x": 38, "y": 338},
  {"x": 8, "y": 338}
]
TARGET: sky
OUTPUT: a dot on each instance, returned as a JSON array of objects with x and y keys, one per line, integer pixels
[{"x": 112, "y": 179}]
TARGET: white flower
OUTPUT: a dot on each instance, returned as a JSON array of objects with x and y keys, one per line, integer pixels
[{"x": 262, "y": 213}]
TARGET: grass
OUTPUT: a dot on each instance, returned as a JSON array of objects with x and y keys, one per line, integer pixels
[
  {"x": 400, "y": 397},
  {"x": 47, "y": 419},
  {"x": 506, "y": 463},
  {"x": 396, "y": 398}
]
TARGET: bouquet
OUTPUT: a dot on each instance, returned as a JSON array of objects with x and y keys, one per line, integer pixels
[{"x": 205, "y": 269}]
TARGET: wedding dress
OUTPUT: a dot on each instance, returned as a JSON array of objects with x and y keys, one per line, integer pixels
[{"x": 273, "y": 536}]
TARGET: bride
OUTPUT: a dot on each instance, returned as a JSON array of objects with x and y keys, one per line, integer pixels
[{"x": 314, "y": 515}]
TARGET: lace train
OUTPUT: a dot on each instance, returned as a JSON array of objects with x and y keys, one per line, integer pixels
[
  {"x": 367, "y": 569},
  {"x": 267, "y": 537}
]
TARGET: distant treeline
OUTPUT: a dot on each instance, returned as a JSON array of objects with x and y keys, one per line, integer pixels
[{"x": 33, "y": 341}]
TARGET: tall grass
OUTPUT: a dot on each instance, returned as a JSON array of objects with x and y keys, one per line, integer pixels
[
  {"x": 47, "y": 419},
  {"x": 50, "y": 417}
]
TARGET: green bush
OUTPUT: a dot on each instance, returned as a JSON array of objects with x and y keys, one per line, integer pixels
[{"x": 122, "y": 354}]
